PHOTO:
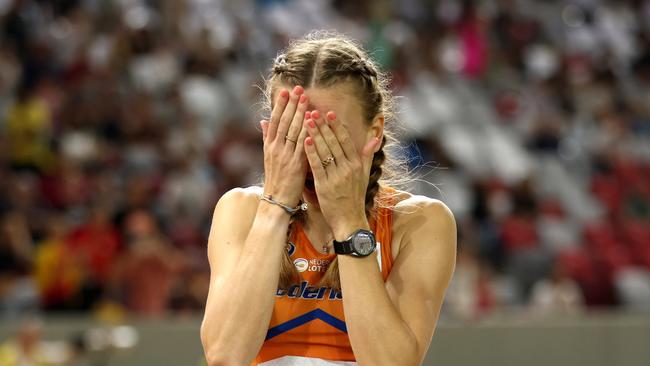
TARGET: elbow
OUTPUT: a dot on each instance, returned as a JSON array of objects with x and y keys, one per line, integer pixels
[
  {"x": 216, "y": 359},
  {"x": 211, "y": 360},
  {"x": 212, "y": 356},
  {"x": 216, "y": 355},
  {"x": 412, "y": 353},
  {"x": 418, "y": 352},
  {"x": 223, "y": 359}
]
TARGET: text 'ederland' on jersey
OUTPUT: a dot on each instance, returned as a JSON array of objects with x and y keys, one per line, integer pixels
[{"x": 305, "y": 291}]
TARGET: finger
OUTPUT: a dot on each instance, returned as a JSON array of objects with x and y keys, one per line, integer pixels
[
  {"x": 331, "y": 140},
  {"x": 264, "y": 124},
  {"x": 298, "y": 120},
  {"x": 342, "y": 136},
  {"x": 301, "y": 138},
  {"x": 314, "y": 160},
  {"x": 289, "y": 112},
  {"x": 321, "y": 146},
  {"x": 276, "y": 113}
]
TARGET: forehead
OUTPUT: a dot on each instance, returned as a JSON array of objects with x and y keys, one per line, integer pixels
[{"x": 339, "y": 98}]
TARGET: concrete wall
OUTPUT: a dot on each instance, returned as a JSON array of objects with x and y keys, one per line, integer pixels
[{"x": 595, "y": 340}]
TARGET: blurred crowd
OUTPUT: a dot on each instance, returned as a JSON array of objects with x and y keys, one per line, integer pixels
[{"x": 123, "y": 121}]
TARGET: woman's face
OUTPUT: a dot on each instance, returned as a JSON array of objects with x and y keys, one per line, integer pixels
[
  {"x": 344, "y": 102},
  {"x": 341, "y": 100}
]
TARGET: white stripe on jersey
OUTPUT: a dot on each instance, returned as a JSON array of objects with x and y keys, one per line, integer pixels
[
  {"x": 378, "y": 249},
  {"x": 304, "y": 361}
]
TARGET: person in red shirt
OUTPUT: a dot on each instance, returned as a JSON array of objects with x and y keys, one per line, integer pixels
[
  {"x": 96, "y": 244},
  {"x": 149, "y": 268}
]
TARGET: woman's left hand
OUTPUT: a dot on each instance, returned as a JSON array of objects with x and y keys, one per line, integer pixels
[{"x": 340, "y": 172}]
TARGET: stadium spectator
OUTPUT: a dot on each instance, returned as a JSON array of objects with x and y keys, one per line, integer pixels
[{"x": 528, "y": 118}]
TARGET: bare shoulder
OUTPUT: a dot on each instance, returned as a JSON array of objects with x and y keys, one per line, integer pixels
[
  {"x": 240, "y": 199},
  {"x": 235, "y": 211},
  {"x": 416, "y": 217},
  {"x": 411, "y": 209}
]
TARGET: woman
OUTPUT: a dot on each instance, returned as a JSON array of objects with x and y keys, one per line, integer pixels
[{"x": 360, "y": 275}]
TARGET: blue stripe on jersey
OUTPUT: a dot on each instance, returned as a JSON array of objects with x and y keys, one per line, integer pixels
[{"x": 304, "y": 319}]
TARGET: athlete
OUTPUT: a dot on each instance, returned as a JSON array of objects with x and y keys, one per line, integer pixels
[{"x": 326, "y": 263}]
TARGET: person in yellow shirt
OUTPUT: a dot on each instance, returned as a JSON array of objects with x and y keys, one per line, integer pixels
[
  {"x": 25, "y": 348},
  {"x": 29, "y": 131}
]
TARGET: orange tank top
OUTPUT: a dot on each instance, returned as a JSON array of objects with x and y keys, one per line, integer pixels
[{"x": 308, "y": 321}]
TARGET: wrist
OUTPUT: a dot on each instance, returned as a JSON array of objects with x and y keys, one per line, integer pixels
[
  {"x": 288, "y": 209},
  {"x": 271, "y": 211},
  {"x": 281, "y": 195},
  {"x": 346, "y": 228},
  {"x": 271, "y": 219}
]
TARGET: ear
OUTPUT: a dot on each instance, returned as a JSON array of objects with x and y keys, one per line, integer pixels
[{"x": 376, "y": 130}]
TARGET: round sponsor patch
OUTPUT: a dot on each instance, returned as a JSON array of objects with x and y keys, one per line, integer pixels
[
  {"x": 291, "y": 248},
  {"x": 301, "y": 264}
]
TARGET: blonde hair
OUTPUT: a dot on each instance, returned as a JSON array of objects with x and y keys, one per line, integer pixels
[{"x": 324, "y": 59}]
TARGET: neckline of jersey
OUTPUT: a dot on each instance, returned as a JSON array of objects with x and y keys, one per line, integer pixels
[{"x": 300, "y": 234}]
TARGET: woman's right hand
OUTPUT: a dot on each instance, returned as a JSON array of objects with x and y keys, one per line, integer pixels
[{"x": 285, "y": 163}]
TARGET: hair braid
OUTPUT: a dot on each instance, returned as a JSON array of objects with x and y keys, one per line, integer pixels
[
  {"x": 288, "y": 272},
  {"x": 375, "y": 175}
]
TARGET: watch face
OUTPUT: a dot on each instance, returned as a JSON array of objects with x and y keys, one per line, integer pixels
[{"x": 363, "y": 243}]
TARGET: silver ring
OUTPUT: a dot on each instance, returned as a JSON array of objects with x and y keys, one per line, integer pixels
[
  {"x": 288, "y": 139},
  {"x": 330, "y": 159}
]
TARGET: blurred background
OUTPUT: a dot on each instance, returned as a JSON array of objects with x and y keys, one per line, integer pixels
[{"x": 122, "y": 123}]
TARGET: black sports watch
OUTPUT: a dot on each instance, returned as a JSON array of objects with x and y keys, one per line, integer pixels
[{"x": 360, "y": 244}]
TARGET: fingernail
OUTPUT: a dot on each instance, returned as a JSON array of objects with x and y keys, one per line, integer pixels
[
  {"x": 315, "y": 114},
  {"x": 307, "y": 114},
  {"x": 331, "y": 116},
  {"x": 309, "y": 141},
  {"x": 311, "y": 123},
  {"x": 298, "y": 89},
  {"x": 303, "y": 98},
  {"x": 284, "y": 93}
]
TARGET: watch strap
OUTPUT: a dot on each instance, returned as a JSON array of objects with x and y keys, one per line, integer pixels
[
  {"x": 343, "y": 247},
  {"x": 346, "y": 247}
]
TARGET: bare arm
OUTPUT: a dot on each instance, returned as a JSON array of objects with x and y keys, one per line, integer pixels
[
  {"x": 247, "y": 241},
  {"x": 245, "y": 251},
  {"x": 393, "y": 323}
]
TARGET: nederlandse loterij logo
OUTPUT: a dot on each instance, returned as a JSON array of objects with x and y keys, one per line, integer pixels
[
  {"x": 301, "y": 264},
  {"x": 318, "y": 265}
]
